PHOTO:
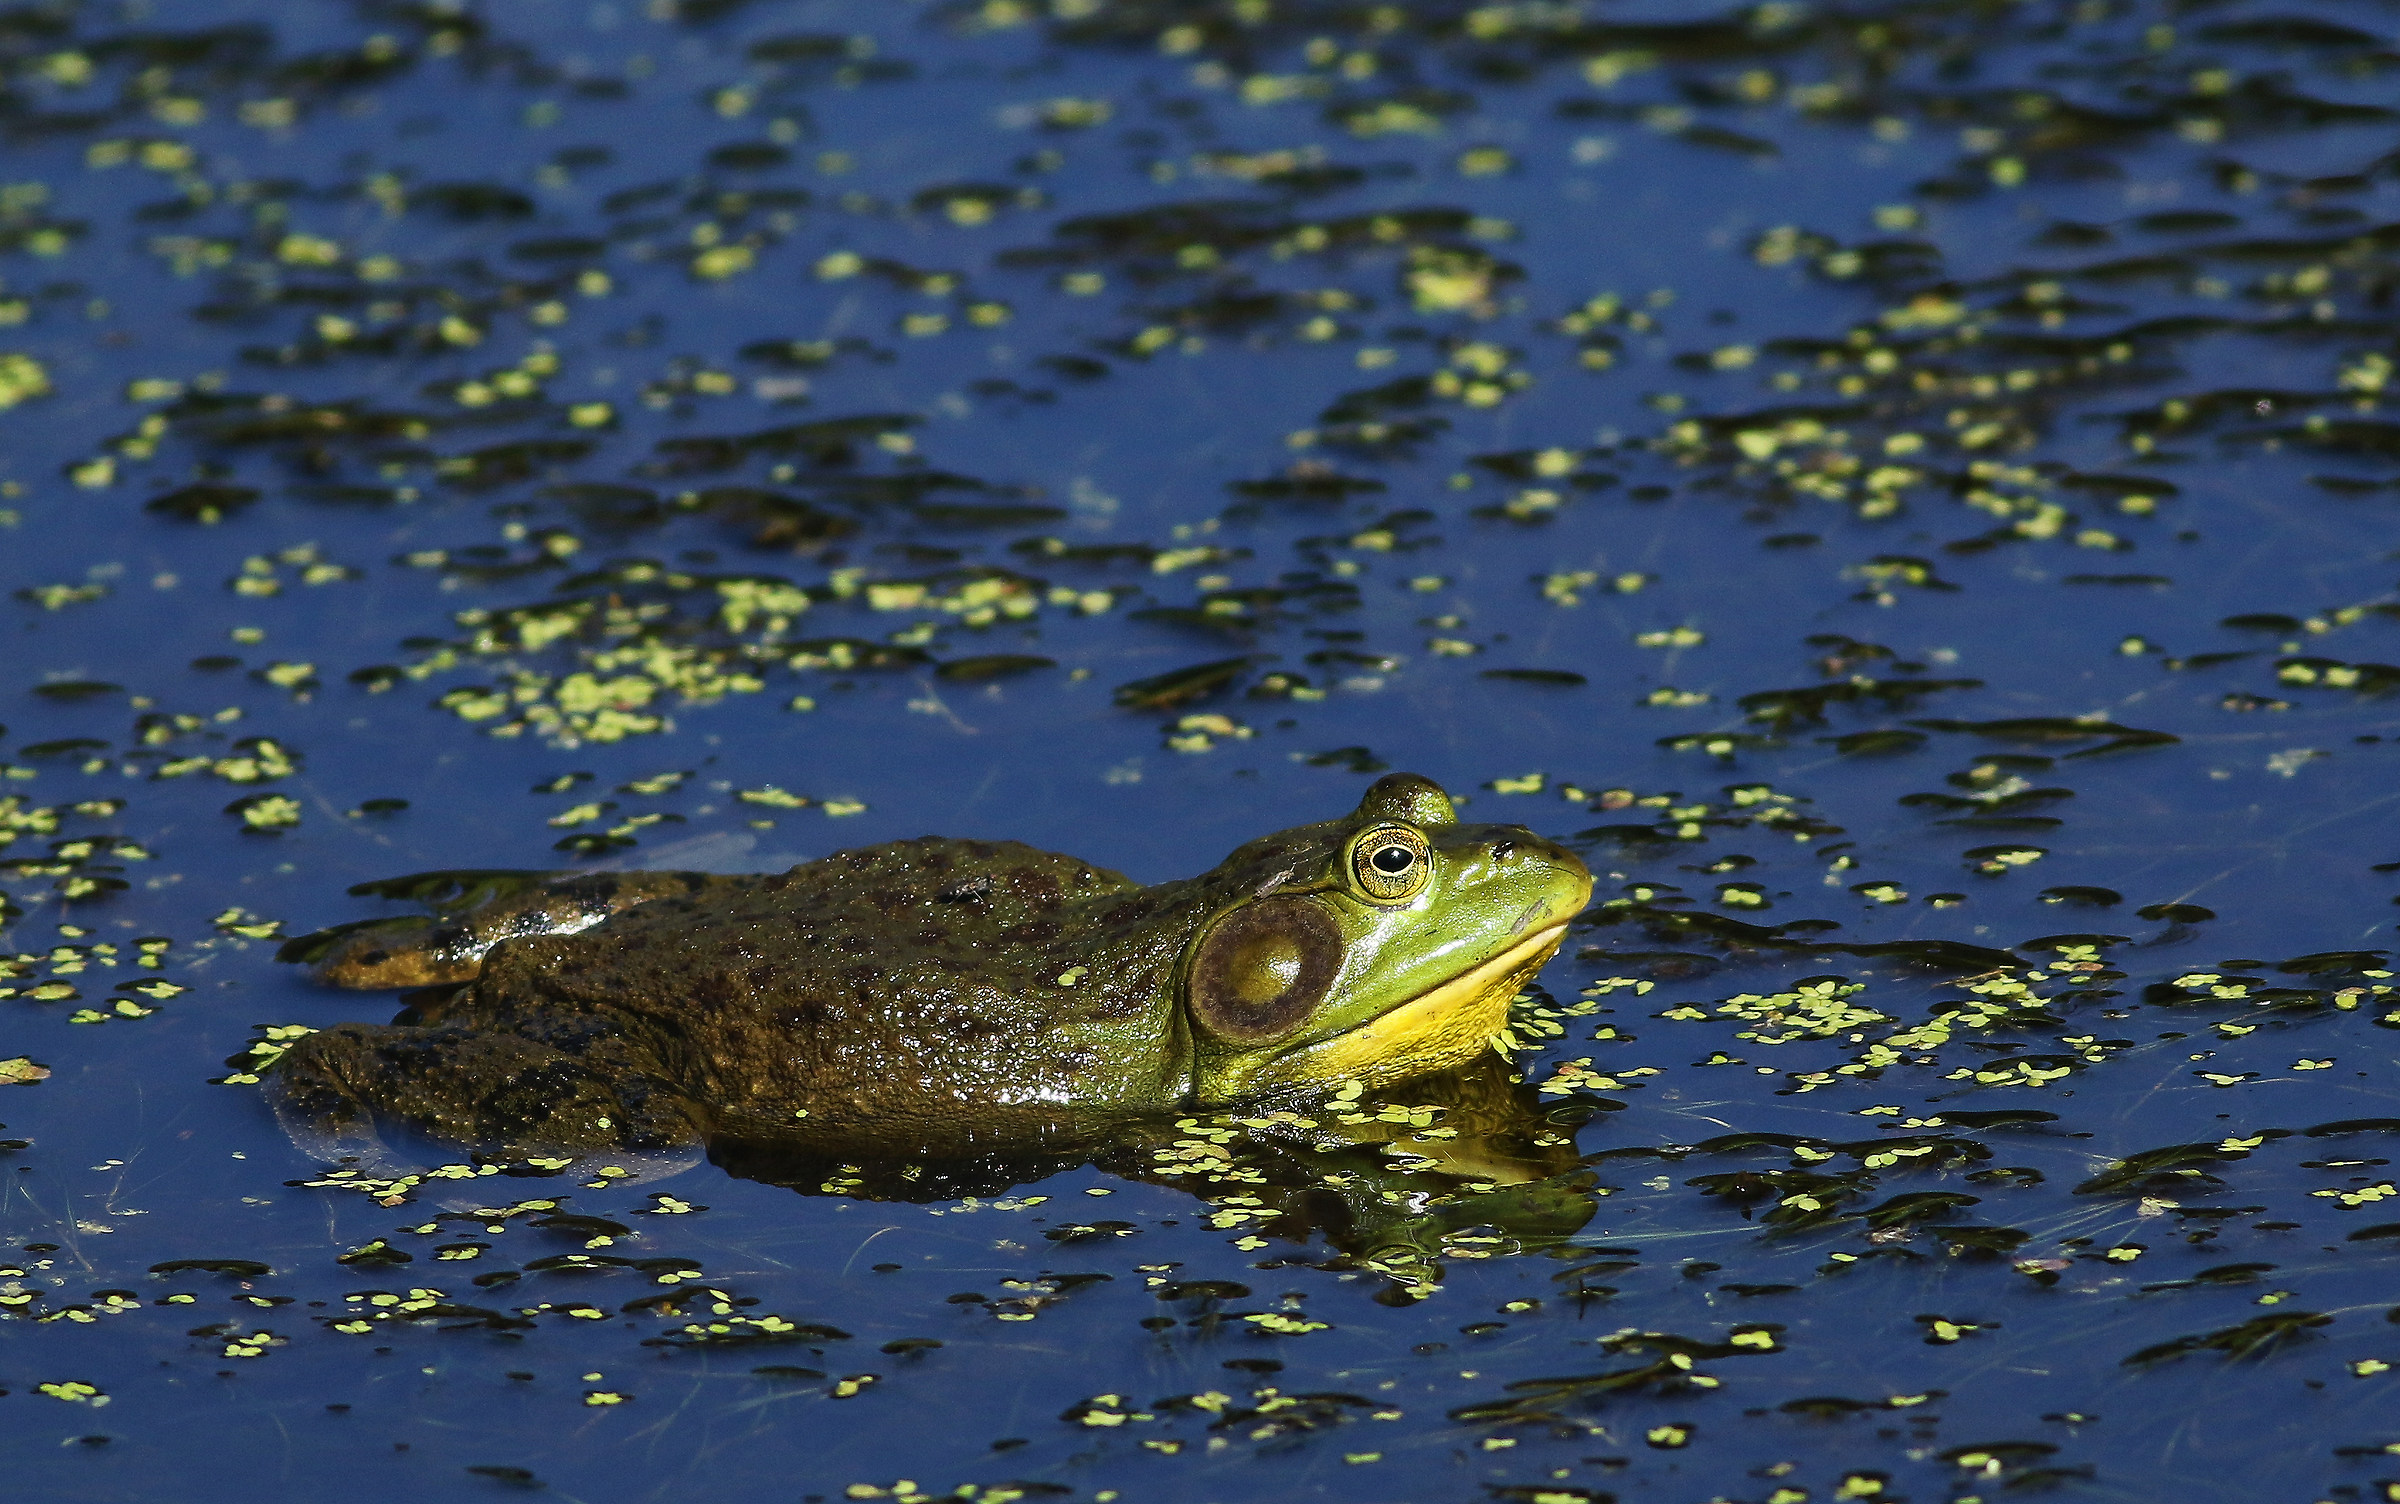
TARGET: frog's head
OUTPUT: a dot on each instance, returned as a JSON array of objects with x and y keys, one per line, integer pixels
[{"x": 1373, "y": 948}]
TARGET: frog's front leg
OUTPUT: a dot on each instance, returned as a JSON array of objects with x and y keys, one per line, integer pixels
[
  {"x": 474, "y": 911},
  {"x": 488, "y": 1090}
]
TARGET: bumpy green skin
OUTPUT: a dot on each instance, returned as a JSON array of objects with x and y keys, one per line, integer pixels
[{"x": 913, "y": 996}]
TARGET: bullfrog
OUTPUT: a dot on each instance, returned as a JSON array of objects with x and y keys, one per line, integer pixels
[{"x": 932, "y": 995}]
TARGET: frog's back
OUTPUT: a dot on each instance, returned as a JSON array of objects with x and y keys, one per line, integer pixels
[
  {"x": 1007, "y": 884},
  {"x": 932, "y": 895},
  {"x": 911, "y": 978}
]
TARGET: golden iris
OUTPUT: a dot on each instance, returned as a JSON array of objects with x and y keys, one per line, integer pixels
[{"x": 1391, "y": 863}]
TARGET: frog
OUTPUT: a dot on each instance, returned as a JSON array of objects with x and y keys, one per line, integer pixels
[{"x": 931, "y": 996}]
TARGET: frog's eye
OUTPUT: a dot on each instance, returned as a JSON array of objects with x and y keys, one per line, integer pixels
[
  {"x": 1391, "y": 863},
  {"x": 1262, "y": 969}
]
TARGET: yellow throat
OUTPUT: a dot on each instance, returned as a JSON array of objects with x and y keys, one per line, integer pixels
[{"x": 1434, "y": 1031}]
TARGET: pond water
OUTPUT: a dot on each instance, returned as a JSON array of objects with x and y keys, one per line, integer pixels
[{"x": 1907, "y": 490}]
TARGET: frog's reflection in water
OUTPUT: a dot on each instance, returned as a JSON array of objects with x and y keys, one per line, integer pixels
[{"x": 1467, "y": 1163}]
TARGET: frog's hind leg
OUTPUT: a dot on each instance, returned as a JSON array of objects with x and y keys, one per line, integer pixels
[
  {"x": 474, "y": 911},
  {"x": 486, "y": 1090}
]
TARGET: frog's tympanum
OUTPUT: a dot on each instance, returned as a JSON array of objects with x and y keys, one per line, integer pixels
[{"x": 934, "y": 995}]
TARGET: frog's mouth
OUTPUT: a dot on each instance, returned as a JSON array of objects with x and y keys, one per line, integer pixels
[{"x": 1443, "y": 1027}]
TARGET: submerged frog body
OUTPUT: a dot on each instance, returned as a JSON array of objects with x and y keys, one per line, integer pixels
[{"x": 931, "y": 993}]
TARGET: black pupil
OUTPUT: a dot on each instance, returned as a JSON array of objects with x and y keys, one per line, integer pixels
[{"x": 1394, "y": 860}]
